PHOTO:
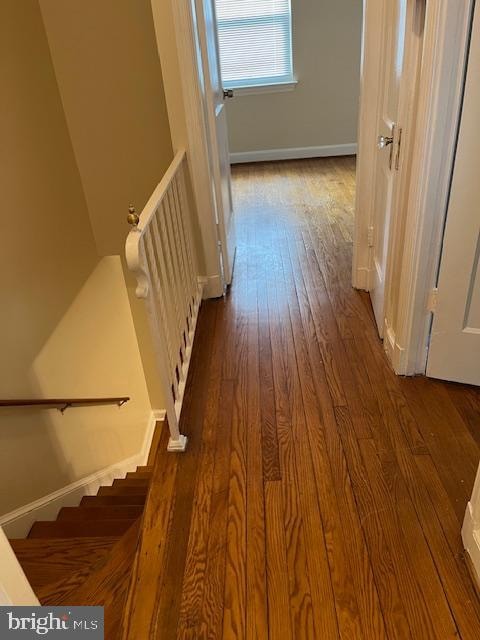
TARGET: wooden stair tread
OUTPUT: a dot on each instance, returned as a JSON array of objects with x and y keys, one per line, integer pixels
[
  {"x": 107, "y": 585},
  {"x": 123, "y": 491},
  {"x": 116, "y": 500},
  {"x": 85, "y": 556},
  {"x": 77, "y": 529},
  {"x": 100, "y": 512},
  {"x": 130, "y": 482},
  {"x": 139, "y": 475},
  {"x": 46, "y": 561},
  {"x": 148, "y": 468}
]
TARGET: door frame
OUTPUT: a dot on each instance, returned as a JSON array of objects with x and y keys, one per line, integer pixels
[
  {"x": 370, "y": 71},
  {"x": 177, "y": 33},
  {"x": 212, "y": 138},
  {"x": 419, "y": 226}
]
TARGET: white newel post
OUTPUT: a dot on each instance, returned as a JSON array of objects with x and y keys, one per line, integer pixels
[
  {"x": 14, "y": 586},
  {"x": 471, "y": 527}
]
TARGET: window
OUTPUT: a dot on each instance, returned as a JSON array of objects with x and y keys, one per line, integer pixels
[{"x": 255, "y": 38}]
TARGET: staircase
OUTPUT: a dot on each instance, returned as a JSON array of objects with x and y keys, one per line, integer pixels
[{"x": 85, "y": 556}]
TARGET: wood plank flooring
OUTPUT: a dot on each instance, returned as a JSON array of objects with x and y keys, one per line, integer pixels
[{"x": 321, "y": 496}]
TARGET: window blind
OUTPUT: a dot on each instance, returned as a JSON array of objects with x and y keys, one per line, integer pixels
[{"x": 255, "y": 39}]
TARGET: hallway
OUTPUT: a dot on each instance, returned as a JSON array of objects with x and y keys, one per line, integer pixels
[{"x": 321, "y": 496}]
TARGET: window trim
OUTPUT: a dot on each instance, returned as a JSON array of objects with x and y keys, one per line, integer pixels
[
  {"x": 266, "y": 87},
  {"x": 264, "y": 84}
]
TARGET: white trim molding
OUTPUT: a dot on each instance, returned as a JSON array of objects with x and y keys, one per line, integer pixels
[
  {"x": 471, "y": 540},
  {"x": 14, "y": 586},
  {"x": 272, "y": 87},
  {"x": 362, "y": 278},
  {"x": 294, "y": 153},
  {"x": 180, "y": 55},
  {"x": 211, "y": 287},
  {"x": 471, "y": 529},
  {"x": 416, "y": 238},
  {"x": 199, "y": 136},
  {"x": 362, "y": 267},
  {"x": 17, "y": 523},
  {"x": 395, "y": 352},
  {"x": 445, "y": 51}
]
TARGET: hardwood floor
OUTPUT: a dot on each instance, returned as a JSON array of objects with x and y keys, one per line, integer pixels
[{"x": 321, "y": 496}]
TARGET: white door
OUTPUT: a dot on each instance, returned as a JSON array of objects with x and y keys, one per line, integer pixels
[
  {"x": 386, "y": 170},
  {"x": 454, "y": 352},
  {"x": 217, "y": 133}
]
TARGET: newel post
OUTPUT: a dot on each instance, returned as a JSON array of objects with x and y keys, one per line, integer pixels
[{"x": 138, "y": 265}]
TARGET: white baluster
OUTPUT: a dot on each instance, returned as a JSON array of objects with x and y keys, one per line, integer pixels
[{"x": 160, "y": 252}]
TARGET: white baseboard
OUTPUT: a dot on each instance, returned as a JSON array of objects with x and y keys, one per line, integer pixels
[
  {"x": 362, "y": 278},
  {"x": 471, "y": 540},
  {"x": 294, "y": 153},
  {"x": 17, "y": 523},
  {"x": 395, "y": 352},
  {"x": 212, "y": 286}
]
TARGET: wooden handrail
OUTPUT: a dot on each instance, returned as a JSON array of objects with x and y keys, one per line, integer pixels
[{"x": 62, "y": 404}]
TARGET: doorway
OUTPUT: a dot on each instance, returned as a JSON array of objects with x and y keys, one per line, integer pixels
[
  {"x": 429, "y": 103},
  {"x": 392, "y": 168},
  {"x": 285, "y": 105}
]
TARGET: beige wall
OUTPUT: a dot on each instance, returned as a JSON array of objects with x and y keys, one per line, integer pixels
[
  {"x": 48, "y": 249},
  {"x": 92, "y": 351},
  {"x": 323, "y": 109},
  {"x": 108, "y": 71},
  {"x": 65, "y": 322},
  {"x": 168, "y": 52}
]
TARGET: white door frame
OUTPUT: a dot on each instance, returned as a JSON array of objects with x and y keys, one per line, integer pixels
[
  {"x": 184, "y": 86},
  {"x": 441, "y": 91},
  {"x": 213, "y": 141},
  {"x": 446, "y": 37},
  {"x": 370, "y": 71}
]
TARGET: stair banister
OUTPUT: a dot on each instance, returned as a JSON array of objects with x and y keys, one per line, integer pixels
[{"x": 160, "y": 253}]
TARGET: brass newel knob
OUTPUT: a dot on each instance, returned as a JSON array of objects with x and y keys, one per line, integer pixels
[{"x": 132, "y": 217}]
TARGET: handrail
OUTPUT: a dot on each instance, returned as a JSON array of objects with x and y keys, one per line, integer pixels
[
  {"x": 62, "y": 404},
  {"x": 156, "y": 198},
  {"x": 160, "y": 252}
]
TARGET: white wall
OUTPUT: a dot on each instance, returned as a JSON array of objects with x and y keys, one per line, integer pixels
[{"x": 323, "y": 109}]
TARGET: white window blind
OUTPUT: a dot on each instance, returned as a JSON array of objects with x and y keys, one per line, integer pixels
[{"x": 255, "y": 38}]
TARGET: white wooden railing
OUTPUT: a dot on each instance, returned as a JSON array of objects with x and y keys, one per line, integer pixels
[{"x": 160, "y": 252}]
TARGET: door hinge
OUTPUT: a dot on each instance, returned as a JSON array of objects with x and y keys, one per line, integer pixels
[
  {"x": 370, "y": 236},
  {"x": 432, "y": 300}
]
